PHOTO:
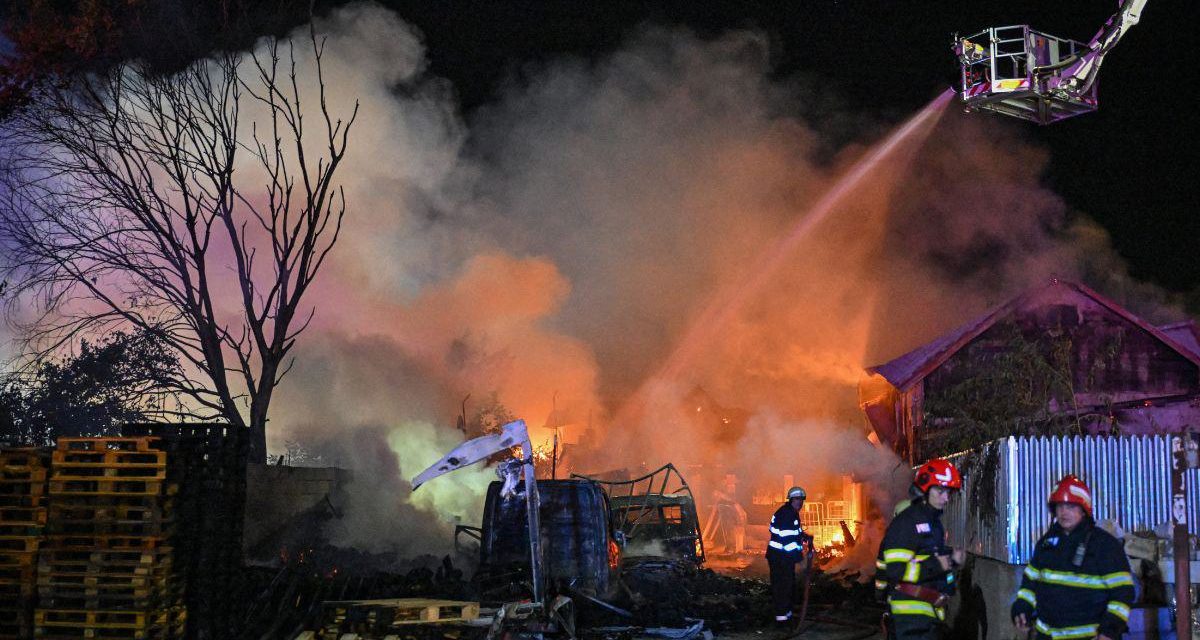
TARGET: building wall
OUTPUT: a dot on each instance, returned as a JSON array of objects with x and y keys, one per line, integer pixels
[
  {"x": 1112, "y": 361},
  {"x": 1125, "y": 379},
  {"x": 277, "y": 494}
]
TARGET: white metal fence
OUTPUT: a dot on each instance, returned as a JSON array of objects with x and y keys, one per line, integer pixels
[{"x": 1130, "y": 477}]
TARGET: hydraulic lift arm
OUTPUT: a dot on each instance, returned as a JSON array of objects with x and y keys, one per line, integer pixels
[{"x": 1076, "y": 75}]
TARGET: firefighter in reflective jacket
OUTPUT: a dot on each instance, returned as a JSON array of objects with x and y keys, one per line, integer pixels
[
  {"x": 787, "y": 547},
  {"x": 1078, "y": 584},
  {"x": 915, "y": 566}
]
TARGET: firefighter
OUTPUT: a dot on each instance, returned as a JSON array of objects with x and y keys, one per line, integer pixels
[
  {"x": 915, "y": 566},
  {"x": 1078, "y": 584},
  {"x": 786, "y": 548}
]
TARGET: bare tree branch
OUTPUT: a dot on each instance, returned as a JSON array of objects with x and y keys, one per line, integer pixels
[{"x": 122, "y": 205}]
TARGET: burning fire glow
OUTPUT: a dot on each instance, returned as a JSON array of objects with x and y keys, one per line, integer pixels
[{"x": 579, "y": 253}]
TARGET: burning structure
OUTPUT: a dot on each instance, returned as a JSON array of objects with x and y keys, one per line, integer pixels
[
  {"x": 1059, "y": 379},
  {"x": 1055, "y": 360}
]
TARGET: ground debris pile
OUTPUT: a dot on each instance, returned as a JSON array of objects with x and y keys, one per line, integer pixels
[
  {"x": 280, "y": 600},
  {"x": 841, "y": 589},
  {"x": 666, "y": 594},
  {"x": 670, "y": 594}
]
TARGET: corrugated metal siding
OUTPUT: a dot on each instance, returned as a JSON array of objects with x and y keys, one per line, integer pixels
[{"x": 1129, "y": 476}]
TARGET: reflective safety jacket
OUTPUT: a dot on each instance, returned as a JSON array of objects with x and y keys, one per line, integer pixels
[
  {"x": 906, "y": 555},
  {"x": 1077, "y": 585},
  {"x": 787, "y": 536}
]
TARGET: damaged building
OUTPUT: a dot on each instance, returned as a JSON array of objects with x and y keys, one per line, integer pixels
[{"x": 1056, "y": 360}]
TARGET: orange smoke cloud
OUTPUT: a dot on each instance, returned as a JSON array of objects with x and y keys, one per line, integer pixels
[{"x": 565, "y": 244}]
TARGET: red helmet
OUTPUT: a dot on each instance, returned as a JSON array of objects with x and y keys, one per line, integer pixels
[
  {"x": 938, "y": 472},
  {"x": 1073, "y": 490}
]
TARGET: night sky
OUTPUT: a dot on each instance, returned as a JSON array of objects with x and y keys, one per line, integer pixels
[{"x": 1132, "y": 166}]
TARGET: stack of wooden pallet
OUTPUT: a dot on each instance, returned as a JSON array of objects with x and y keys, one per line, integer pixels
[
  {"x": 208, "y": 463},
  {"x": 23, "y": 474},
  {"x": 106, "y": 569}
]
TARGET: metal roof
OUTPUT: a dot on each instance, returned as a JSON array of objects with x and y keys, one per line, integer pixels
[
  {"x": 909, "y": 369},
  {"x": 1186, "y": 333}
]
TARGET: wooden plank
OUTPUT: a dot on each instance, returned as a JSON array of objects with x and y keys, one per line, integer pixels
[{"x": 141, "y": 443}]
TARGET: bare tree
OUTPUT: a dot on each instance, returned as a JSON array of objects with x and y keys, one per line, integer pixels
[{"x": 159, "y": 203}]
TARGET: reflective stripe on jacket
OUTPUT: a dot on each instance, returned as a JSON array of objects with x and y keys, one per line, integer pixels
[
  {"x": 1077, "y": 600},
  {"x": 787, "y": 536},
  {"x": 907, "y": 553}
]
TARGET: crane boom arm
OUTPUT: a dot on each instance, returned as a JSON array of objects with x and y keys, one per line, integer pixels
[{"x": 1078, "y": 76}]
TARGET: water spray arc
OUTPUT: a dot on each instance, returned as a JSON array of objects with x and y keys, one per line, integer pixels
[{"x": 728, "y": 301}]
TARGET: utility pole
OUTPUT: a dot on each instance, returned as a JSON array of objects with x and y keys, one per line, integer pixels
[{"x": 1184, "y": 457}]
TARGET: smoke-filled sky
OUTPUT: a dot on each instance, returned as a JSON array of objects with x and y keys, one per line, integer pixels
[{"x": 552, "y": 247}]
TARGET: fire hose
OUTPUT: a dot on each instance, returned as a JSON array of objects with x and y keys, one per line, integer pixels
[
  {"x": 808, "y": 567},
  {"x": 869, "y": 630}
]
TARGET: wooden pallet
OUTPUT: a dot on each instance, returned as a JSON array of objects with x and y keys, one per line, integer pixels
[
  {"x": 21, "y": 487},
  {"x": 23, "y": 500},
  {"x": 114, "y": 570},
  {"x": 402, "y": 611},
  {"x": 107, "y": 458},
  {"x": 16, "y": 623},
  {"x": 162, "y": 591},
  {"x": 103, "y": 619},
  {"x": 105, "y": 580},
  {"x": 97, "y": 598},
  {"x": 112, "y": 487},
  {"x": 122, "y": 528},
  {"x": 109, "y": 471},
  {"x": 17, "y": 575},
  {"x": 79, "y": 571},
  {"x": 33, "y": 516},
  {"x": 109, "y": 443},
  {"x": 94, "y": 511},
  {"x": 166, "y": 504},
  {"x": 19, "y": 591},
  {"x": 18, "y": 558},
  {"x": 151, "y": 632},
  {"x": 66, "y": 633},
  {"x": 106, "y": 557},
  {"x": 19, "y": 544},
  {"x": 21, "y": 529},
  {"x": 17, "y": 474},
  {"x": 104, "y": 542},
  {"x": 23, "y": 457}
]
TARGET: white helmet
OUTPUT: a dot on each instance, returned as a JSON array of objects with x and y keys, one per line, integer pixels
[{"x": 796, "y": 492}]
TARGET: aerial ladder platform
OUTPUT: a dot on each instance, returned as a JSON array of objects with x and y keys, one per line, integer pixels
[{"x": 1032, "y": 75}]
